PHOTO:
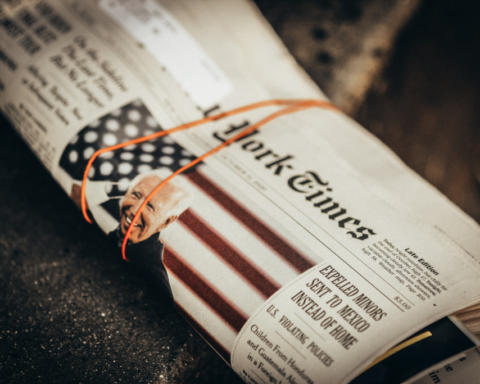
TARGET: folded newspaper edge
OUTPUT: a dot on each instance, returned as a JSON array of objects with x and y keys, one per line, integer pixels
[{"x": 301, "y": 252}]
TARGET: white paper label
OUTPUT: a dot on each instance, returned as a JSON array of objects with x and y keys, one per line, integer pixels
[{"x": 173, "y": 47}]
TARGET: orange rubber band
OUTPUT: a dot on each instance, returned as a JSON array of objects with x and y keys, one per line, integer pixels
[{"x": 291, "y": 106}]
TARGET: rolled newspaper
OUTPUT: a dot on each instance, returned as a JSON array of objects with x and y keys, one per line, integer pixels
[{"x": 303, "y": 250}]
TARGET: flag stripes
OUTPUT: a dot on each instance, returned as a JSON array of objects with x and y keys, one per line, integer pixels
[
  {"x": 239, "y": 236},
  {"x": 261, "y": 282},
  {"x": 193, "y": 252},
  {"x": 207, "y": 319},
  {"x": 215, "y": 300},
  {"x": 284, "y": 250},
  {"x": 223, "y": 269}
]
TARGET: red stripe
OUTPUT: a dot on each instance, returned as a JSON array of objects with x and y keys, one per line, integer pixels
[
  {"x": 204, "y": 291},
  {"x": 204, "y": 333},
  {"x": 277, "y": 243},
  {"x": 219, "y": 245}
]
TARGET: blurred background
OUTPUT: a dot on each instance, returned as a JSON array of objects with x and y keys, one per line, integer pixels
[
  {"x": 72, "y": 312},
  {"x": 408, "y": 71}
]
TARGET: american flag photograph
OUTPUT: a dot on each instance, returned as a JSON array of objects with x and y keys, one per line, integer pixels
[{"x": 222, "y": 259}]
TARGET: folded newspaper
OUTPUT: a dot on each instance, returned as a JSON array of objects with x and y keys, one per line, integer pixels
[{"x": 301, "y": 252}]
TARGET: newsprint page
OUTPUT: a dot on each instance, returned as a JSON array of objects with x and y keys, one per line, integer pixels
[{"x": 302, "y": 251}]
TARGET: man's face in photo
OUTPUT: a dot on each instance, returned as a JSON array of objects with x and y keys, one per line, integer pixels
[{"x": 155, "y": 216}]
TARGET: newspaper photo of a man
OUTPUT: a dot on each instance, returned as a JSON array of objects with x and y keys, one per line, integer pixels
[
  {"x": 163, "y": 209},
  {"x": 144, "y": 246},
  {"x": 120, "y": 181}
]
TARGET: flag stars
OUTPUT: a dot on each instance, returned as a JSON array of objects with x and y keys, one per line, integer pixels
[
  {"x": 168, "y": 150},
  {"x": 126, "y": 123},
  {"x": 151, "y": 122},
  {"x": 106, "y": 168},
  {"x": 127, "y": 156},
  {"x": 125, "y": 168},
  {"x": 131, "y": 130},
  {"x": 146, "y": 158},
  {"x": 134, "y": 115},
  {"x": 112, "y": 125},
  {"x": 73, "y": 156},
  {"x": 165, "y": 160},
  {"x": 109, "y": 139},
  {"x": 123, "y": 184},
  {"x": 106, "y": 155},
  {"x": 88, "y": 152},
  {"x": 90, "y": 137},
  {"x": 148, "y": 147}
]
